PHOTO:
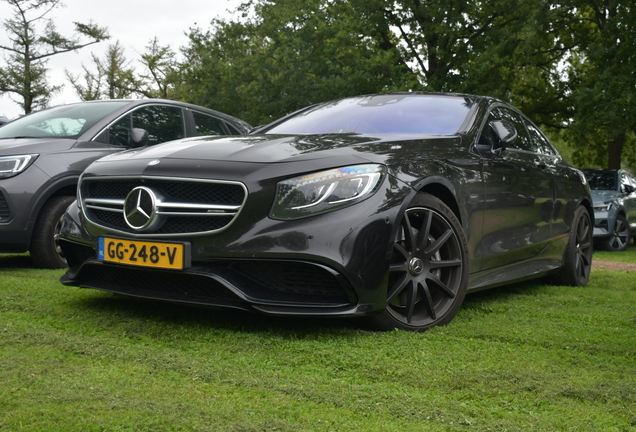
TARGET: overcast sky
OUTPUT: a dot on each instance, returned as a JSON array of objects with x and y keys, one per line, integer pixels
[{"x": 133, "y": 22}]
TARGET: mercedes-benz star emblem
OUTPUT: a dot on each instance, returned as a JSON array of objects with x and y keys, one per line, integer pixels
[
  {"x": 140, "y": 208},
  {"x": 416, "y": 266}
]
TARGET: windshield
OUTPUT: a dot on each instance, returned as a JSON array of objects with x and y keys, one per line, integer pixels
[
  {"x": 66, "y": 121},
  {"x": 381, "y": 114},
  {"x": 599, "y": 180}
]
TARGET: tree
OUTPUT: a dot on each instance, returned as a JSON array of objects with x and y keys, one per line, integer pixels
[
  {"x": 604, "y": 84},
  {"x": 286, "y": 54},
  {"x": 25, "y": 72},
  {"x": 113, "y": 77},
  {"x": 161, "y": 72}
]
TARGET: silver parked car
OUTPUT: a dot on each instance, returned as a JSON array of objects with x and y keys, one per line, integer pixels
[{"x": 614, "y": 195}]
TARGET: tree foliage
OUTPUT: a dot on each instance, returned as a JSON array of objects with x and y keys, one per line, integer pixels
[
  {"x": 603, "y": 75},
  {"x": 113, "y": 77},
  {"x": 24, "y": 74},
  {"x": 285, "y": 54}
]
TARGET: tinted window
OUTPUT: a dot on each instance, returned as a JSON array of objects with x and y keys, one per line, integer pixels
[
  {"x": 601, "y": 180},
  {"x": 207, "y": 125},
  {"x": 393, "y": 114},
  {"x": 523, "y": 139},
  {"x": 118, "y": 133},
  {"x": 540, "y": 142},
  {"x": 163, "y": 123},
  {"x": 64, "y": 121}
]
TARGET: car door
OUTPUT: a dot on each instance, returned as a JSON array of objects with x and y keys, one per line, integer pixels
[{"x": 519, "y": 198}]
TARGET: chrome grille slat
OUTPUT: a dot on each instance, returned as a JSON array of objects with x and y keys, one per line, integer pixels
[{"x": 185, "y": 204}]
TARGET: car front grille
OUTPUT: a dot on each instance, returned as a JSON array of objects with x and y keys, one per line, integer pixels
[{"x": 183, "y": 206}]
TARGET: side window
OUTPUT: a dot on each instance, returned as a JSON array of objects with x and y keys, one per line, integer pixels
[
  {"x": 163, "y": 123},
  {"x": 523, "y": 139},
  {"x": 118, "y": 133},
  {"x": 233, "y": 130},
  {"x": 207, "y": 125},
  {"x": 540, "y": 142}
]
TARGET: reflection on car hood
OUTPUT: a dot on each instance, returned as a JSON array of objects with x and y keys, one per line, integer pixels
[
  {"x": 287, "y": 148},
  {"x": 14, "y": 146},
  {"x": 604, "y": 195}
]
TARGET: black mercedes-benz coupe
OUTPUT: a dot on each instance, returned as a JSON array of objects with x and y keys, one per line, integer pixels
[{"x": 388, "y": 206}]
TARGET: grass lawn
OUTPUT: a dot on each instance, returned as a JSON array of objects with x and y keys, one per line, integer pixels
[{"x": 528, "y": 357}]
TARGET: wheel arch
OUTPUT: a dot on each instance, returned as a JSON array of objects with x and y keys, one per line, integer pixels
[
  {"x": 590, "y": 209},
  {"x": 63, "y": 187},
  {"x": 442, "y": 189}
]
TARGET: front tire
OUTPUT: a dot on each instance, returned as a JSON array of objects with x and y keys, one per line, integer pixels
[
  {"x": 428, "y": 274},
  {"x": 45, "y": 249},
  {"x": 620, "y": 236},
  {"x": 577, "y": 260}
]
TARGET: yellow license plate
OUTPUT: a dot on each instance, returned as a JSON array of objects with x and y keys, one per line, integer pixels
[{"x": 143, "y": 253}]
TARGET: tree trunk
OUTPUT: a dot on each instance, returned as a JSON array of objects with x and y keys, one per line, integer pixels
[{"x": 615, "y": 150}]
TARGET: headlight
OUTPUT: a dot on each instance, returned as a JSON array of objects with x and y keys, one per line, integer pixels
[
  {"x": 14, "y": 165},
  {"x": 602, "y": 206},
  {"x": 326, "y": 191}
]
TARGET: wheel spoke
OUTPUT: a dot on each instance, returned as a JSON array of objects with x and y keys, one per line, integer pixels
[
  {"x": 405, "y": 254},
  {"x": 438, "y": 243},
  {"x": 428, "y": 301},
  {"x": 582, "y": 266},
  {"x": 425, "y": 232},
  {"x": 409, "y": 237},
  {"x": 398, "y": 287},
  {"x": 445, "y": 264},
  {"x": 442, "y": 286},
  {"x": 583, "y": 230},
  {"x": 411, "y": 299},
  {"x": 400, "y": 267}
]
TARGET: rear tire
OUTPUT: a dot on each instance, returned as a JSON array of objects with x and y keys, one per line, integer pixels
[
  {"x": 428, "y": 273},
  {"x": 45, "y": 249},
  {"x": 577, "y": 260}
]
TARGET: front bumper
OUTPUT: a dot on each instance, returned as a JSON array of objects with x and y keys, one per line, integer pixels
[
  {"x": 333, "y": 264},
  {"x": 604, "y": 224}
]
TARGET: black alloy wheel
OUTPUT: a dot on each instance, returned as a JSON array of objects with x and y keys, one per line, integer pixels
[
  {"x": 620, "y": 235},
  {"x": 428, "y": 271},
  {"x": 577, "y": 261}
]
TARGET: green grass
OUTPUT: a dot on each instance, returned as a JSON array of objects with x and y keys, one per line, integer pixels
[
  {"x": 528, "y": 357},
  {"x": 627, "y": 256}
]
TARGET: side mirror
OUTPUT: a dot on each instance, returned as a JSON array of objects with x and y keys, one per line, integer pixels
[
  {"x": 139, "y": 137},
  {"x": 628, "y": 189},
  {"x": 505, "y": 132}
]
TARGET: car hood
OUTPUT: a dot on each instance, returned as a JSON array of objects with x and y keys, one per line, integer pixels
[
  {"x": 257, "y": 157},
  {"x": 14, "y": 146},
  {"x": 285, "y": 148},
  {"x": 605, "y": 195}
]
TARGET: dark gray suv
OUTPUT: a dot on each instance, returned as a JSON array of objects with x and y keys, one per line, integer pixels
[
  {"x": 43, "y": 154},
  {"x": 614, "y": 195}
]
